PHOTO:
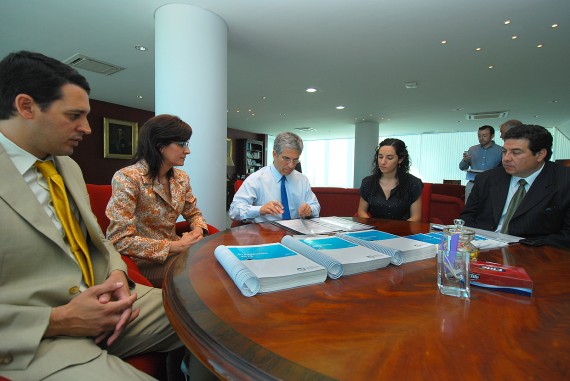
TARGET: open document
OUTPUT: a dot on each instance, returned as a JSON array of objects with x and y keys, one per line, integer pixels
[{"x": 321, "y": 225}]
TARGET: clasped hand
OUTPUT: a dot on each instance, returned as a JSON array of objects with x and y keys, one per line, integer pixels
[{"x": 100, "y": 311}]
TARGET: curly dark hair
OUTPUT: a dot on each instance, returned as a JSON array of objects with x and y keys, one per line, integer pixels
[{"x": 403, "y": 167}]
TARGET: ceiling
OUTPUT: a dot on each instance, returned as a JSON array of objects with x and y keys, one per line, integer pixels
[{"x": 359, "y": 54}]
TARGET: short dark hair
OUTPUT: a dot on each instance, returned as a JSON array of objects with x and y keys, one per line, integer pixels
[
  {"x": 512, "y": 123},
  {"x": 538, "y": 138},
  {"x": 36, "y": 75},
  {"x": 159, "y": 131},
  {"x": 487, "y": 127}
]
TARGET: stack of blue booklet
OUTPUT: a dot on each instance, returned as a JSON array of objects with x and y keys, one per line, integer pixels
[
  {"x": 295, "y": 262},
  {"x": 400, "y": 249}
]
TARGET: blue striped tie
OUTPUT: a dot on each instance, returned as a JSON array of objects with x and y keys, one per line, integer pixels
[{"x": 284, "y": 201}]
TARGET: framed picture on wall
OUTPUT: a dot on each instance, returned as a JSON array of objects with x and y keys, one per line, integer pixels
[
  {"x": 120, "y": 139},
  {"x": 229, "y": 159}
]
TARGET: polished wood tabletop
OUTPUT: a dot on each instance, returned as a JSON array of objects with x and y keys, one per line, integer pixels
[{"x": 388, "y": 324}]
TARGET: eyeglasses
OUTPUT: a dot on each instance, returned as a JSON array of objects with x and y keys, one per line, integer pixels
[
  {"x": 288, "y": 160},
  {"x": 183, "y": 144}
]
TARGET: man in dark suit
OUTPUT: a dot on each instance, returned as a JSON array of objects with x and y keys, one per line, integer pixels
[{"x": 543, "y": 214}]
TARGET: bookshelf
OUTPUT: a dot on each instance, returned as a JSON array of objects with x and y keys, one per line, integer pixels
[{"x": 253, "y": 155}]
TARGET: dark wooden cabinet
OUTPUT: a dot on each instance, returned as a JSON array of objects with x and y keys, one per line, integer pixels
[{"x": 253, "y": 155}]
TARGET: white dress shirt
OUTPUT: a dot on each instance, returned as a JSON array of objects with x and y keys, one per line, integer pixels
[{"x": 265, "y": 185}]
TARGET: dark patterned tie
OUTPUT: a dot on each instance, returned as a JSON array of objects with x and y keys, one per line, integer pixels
[
  {"x": 515, "y": 202},
  {"x": 284, "y": 201}
]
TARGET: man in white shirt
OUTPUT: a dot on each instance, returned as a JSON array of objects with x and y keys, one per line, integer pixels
[{"x": 262, "y": 197}]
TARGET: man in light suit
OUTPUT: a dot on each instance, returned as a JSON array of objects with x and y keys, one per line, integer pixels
[
  {"x": 52, "y": 325},
  {"x": 543, "y": 216}
]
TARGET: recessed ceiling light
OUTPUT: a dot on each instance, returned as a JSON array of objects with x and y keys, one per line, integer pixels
[
  {"x": 507, "y": 22},
  {"x": 340, "y": 107},
  {"x": 535, "y": 116},
  {"x": 514, "y": 37},
  {"x": 311, "y": 90},
  {"x": 139, "y": 96},
  {"x": 539, "y": 46},
  {"x": 554, "y": 101},
  {"x": 491, "y": 66},
  {"x": 263, "y": 97},
  {"x": 444, "y": 42},
  {"x": 478, "y": 49},
  {"x": 140, "y": 48},
  {"x": 555, "y": 25}
]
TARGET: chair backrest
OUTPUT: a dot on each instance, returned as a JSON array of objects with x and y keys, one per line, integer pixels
[
  {"x": 426, "y": 202},
  {"x": 99, "y": 196},
  {"x": 341, "y": 202},
  {"x": 444, "y": 209},
  {"x": 237, "y": 184}
]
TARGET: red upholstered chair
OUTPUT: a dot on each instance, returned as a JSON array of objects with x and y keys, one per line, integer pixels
[
  {"x": 340, "y": 202},
  {"x": 426, "y": 202},
  {"x": 444, "y": 209},
  {"x": 237, "y": 184},
  {"x": 153, "y": 364}
]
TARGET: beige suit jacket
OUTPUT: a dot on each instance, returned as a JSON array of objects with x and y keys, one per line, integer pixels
[{"x": 37, "y": 274}]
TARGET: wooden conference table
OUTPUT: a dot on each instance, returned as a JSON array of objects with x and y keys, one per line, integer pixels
[{"x": 389, "y": 324}]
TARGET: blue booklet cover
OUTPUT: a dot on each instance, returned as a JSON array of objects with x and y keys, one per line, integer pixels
[
  {"x": 434, "y": 238},
  {"x": 261, "y": 252},
  {"x": 371, "y": 235},
  {"x": 328, "y": 244}
]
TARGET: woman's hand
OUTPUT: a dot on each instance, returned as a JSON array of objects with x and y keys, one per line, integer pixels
[{"x": 188, "y": 239}]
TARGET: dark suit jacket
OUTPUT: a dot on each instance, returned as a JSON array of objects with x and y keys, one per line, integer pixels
[{"x": 544, "y": 213}]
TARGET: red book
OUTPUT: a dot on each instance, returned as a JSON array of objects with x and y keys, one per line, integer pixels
[{"x": 493, "y": 276}]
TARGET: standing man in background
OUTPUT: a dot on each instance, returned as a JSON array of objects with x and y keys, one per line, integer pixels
[
  {"x": 508, "y": 125},
  {"x": 482, "y": 157},
  {"x": 276, "y": 191}
]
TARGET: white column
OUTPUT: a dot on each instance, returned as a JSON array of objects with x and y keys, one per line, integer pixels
[
  {"x": 191, "y": 82},
  {"x": 365, "y": 142}
]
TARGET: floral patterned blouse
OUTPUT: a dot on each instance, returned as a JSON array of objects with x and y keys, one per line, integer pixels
[{"x": 142, "y": 220}]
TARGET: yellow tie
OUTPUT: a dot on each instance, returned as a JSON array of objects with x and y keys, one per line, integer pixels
[{"x": 70, "y": 224}]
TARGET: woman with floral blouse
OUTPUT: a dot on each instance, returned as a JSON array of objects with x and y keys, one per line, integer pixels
[{"x": 149, "y": 195}]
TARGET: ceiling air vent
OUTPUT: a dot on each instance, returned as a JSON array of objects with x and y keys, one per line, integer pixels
[
  {"x": 81, "y": 61},
  {"x": 305, "y": 129},
  {"x": 487, "y": 115}
]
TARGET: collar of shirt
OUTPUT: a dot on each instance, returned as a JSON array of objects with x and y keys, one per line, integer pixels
[
  {"x": 529, "y": 180},
  {"x": 276, "y": 175},
  {"x": 23, "y": 160},
  {"x": 490, "y": 146}
]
